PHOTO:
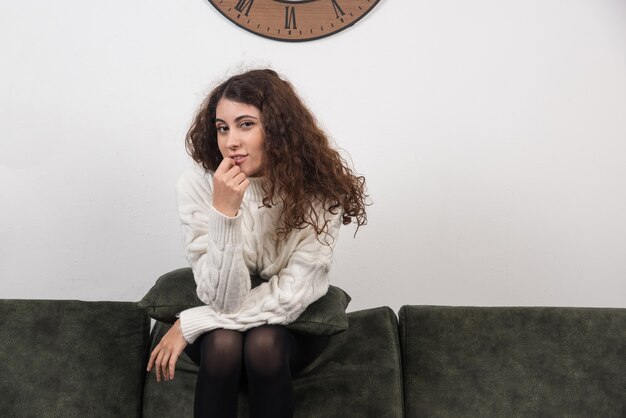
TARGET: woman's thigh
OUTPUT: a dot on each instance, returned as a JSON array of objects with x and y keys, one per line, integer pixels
[
  {"x": 303, "y": 349},
  {"x": 299, "y": 349},
  {"x": 231, "y": 340}
]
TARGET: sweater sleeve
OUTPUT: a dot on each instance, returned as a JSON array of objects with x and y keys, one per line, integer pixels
[
  {"x": 213, "y": 244},
  {"x": 284, "y": 297}
]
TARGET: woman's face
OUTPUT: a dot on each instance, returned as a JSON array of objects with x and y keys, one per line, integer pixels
[{"x": 240, "y": 135}]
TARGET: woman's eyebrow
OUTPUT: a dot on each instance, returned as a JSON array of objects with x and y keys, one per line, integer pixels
[{"x": 237, "y": 119}]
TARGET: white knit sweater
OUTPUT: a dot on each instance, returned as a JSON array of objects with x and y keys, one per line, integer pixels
[{"x": 223, "y": 251}]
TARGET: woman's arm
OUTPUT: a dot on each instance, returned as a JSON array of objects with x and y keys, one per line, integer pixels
[
  {"x": 283, "y": 298},
  {"x": 166, "y": 353},
  {"x": 213, "y": 244}
]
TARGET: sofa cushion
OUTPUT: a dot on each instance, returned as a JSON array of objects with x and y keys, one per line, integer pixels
[
  {"x": 357, "y": 375},
  {"x": 175, "y": 291},
  {"x": 63, "y": 358},
  {"x": 497, "y": 362}
]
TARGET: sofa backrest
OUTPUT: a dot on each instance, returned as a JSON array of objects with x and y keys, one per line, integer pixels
[
  {"x": 63, "y": 358},
  {"x": 513, "y": 362}
]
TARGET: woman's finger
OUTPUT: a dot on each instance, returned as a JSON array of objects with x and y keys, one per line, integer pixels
[
  {"x": 163, "y": 364},
  {"x": 239, "y": 178},
  {"x": 231, "y": 174},
  {"x": 172, "y": 365},
  {"x": 225, "y": 165},
  {"x": 157, "y": 369},
  {"x": 152, "y": 358},
  {"x": 244, "y": 184}
]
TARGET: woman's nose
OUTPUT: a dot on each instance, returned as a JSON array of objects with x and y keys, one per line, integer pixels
[{"x": 233, "y": 141}]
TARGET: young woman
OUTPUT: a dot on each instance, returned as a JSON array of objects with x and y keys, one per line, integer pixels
[{"x": 267, "y": 198}]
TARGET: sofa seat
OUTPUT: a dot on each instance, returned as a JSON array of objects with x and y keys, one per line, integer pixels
[{"x": 357, "y": 375}]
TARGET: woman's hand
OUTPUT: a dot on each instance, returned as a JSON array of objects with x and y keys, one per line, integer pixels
[
  {"x": 229, "y": 185},
  {"x": 166, "y": 353}
]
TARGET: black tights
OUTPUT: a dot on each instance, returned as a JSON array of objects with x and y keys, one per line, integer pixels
[{"x": 269, "y": 354}]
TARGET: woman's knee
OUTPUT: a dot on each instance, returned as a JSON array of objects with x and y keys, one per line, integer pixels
[
  {"x": 267, "y": 349},
  {"x": 222, "y": 341},
  {"x": 221, "y": 351}
]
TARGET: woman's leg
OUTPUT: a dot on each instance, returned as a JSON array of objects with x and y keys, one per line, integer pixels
[
  {"x": 271, "y": 354},
  {"x": 219, "y": 355}
]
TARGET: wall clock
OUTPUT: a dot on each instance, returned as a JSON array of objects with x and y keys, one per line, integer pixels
[{"x": 294, "y": 20}]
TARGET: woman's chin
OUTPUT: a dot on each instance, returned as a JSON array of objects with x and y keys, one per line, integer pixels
[{"x": 251, "y": 171}]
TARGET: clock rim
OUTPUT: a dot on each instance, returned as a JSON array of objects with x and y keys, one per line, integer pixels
[{"x": 374, "y": 4}]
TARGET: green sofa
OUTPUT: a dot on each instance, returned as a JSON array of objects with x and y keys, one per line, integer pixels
[{"x": 87, "y": 359}]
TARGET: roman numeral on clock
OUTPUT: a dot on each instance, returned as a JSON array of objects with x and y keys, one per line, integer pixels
[
  {"x": 244, "y": 5},
  {"x": 337, "y": 9},
  {"x": 290, "y": 17}
]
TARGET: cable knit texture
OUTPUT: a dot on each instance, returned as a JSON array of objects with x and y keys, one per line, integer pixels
[{"x": 223, "y": 251}]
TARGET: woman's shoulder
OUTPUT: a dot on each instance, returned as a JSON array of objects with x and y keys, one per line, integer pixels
[{"x": 195, "y": 180}]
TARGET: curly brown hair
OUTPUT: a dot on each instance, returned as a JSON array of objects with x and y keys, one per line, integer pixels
[{"x": 301, "y": 167}]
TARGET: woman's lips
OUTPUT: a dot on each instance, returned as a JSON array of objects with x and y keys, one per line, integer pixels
[{"x": 239, "y": 159}]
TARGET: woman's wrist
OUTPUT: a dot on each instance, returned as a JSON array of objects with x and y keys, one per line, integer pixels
[{"x": 226, "y": 211}]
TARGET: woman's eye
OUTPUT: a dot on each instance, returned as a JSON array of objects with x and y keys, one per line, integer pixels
[
  {"x": 222, "y": 128},
  {"x": 247, "y": 124}
]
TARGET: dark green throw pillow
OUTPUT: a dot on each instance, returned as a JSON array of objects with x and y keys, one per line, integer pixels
[{"x": 176, "y": 291}]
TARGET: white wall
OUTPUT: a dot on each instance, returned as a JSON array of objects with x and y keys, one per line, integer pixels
[{"x": 492, "y": 135}]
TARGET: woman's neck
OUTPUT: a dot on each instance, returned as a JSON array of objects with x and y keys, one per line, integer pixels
[{"x": 254, "y": 192}]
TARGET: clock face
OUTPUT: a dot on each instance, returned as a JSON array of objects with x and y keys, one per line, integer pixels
[{"x": 294, "y": 20}]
